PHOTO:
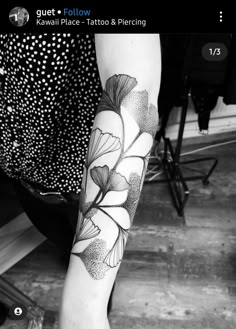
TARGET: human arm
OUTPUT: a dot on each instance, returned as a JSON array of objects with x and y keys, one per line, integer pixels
[{"x": 117, "y": 157}]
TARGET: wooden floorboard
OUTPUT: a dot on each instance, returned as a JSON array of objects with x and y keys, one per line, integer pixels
[{"x": 173, "y": 276}]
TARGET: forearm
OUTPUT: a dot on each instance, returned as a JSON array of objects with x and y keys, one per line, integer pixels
[{"x": 117, "y": 158}]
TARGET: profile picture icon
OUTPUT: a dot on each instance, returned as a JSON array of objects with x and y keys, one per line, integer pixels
[
  {"x": 18, "y": 311},
  {"x": 18, "y": 16}
]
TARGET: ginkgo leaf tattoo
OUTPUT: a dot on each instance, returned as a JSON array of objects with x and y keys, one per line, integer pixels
[{"x": 114, "y": 172}]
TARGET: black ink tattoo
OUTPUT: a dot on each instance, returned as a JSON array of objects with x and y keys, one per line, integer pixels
[
  {"x": 146, "y": 117},
  {"x": 93, "y": 258},
  {"x": 100, "y": 144},
  {"x": 115, "y": 254},
  {"x": 118, "y": 92},
  {"x": 116, "y": 89},
  {"x": 133, "y": 195}
]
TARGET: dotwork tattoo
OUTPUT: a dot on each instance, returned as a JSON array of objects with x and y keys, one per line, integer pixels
[{"x": 117, "y": 186}]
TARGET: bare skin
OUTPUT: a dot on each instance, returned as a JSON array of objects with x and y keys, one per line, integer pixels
[{"x": 117, "y": 158}]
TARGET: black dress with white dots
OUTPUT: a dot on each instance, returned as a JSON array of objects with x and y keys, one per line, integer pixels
[{"x": 49, "y": 92}]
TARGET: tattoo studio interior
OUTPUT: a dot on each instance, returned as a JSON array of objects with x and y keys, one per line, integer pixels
[{"x": 116, "y": 191}]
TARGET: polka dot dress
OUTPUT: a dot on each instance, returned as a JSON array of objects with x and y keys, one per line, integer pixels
[{"x": 49, "y": 92}]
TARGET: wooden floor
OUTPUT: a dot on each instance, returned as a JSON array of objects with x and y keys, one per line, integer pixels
[{"x": 174, "y": 275}]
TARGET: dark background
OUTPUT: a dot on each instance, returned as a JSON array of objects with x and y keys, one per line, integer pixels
[{"x": 161, "y": 17}]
